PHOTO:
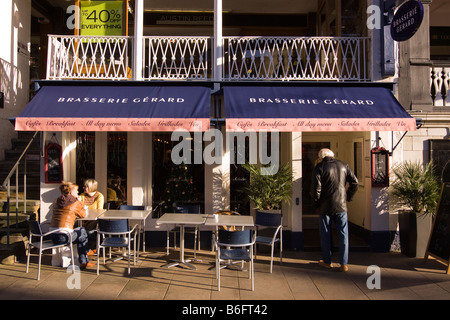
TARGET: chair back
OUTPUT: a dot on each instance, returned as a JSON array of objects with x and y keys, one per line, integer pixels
[
  {"x": 188, "y": 208},
  {"x": 243, "y": 237},
  {"x": 130, "y": 207},
  {"x": 35, "y": 227},
  {"x": 268, "y": 219},
  {"x": 113, "y": 226}
]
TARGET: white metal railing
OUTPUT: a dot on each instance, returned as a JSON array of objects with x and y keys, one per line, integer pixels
[
  {"x": 440, "y": 85},
  {"x": 179, "y": 58},
  {"x": 296, "y": 58},
  {"x": 88, "y": 57},
  {"x": 189, "y": 58}
]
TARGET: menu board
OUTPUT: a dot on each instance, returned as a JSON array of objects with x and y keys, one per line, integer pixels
[
  {"x": 439, "y": 242},
  {"x": 53, "y": 163}
]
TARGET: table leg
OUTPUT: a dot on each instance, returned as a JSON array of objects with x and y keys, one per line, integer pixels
[{"x": 181, "y": 262}]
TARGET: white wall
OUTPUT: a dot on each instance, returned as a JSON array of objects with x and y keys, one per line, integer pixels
[{"x": 15, "y": 20}]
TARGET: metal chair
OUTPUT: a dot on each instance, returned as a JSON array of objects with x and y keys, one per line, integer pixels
[
  {"x": 115, "y": 234},
  {"x": 271, "y": 221},
  {"x": 235, "y": 245},
  {"x": 185, "y": 208},
  {"x": 41, "y": 245},
  {"x": 131, "y": 207}
]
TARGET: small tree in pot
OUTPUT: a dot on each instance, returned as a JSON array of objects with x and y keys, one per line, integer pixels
[
  {"x": 416, "y": 188},
  {"x": 268, "y": 187}
]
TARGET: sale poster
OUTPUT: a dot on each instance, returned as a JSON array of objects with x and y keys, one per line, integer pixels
[{"x": 101, "y": 18}]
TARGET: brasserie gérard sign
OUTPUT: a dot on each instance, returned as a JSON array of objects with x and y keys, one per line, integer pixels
[
  {"x": 120, "y": 122},
  {"x": 407, "y": 20},
  {"x": 120, "y": 100}
]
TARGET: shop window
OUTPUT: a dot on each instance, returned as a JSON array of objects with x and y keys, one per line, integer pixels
[
  {"x": 85, "y": 157},
  {"x": 117, "y": 169},
  {"x": 245, "y": 150},
  {"x": 174, "y": 184},
  {"x": 238, "y": 176}
]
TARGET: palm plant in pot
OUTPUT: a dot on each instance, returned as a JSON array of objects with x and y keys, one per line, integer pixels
[
  {"x": 416, "y": 189},
  {"x": 268, "y": 190}
]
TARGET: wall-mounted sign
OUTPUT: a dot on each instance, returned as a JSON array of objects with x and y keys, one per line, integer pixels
[
  {"x": 53, "y": 163},
  {"x": 407, "y": 20},
  {"x": 102, "y": 18}
]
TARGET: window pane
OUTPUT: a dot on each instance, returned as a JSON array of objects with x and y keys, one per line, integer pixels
[
  {"x": 117, "y": 169},
  {"x": 85, "y": 157}
]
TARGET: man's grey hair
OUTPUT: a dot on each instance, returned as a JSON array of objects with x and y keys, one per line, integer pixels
[{"x": 325, "y": 153}]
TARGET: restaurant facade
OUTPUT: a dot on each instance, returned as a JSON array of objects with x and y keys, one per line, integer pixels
[{"x": 162, "y": 103}]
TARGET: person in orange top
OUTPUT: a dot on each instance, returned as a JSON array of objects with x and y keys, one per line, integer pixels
[{"x": 66, "y": 209}]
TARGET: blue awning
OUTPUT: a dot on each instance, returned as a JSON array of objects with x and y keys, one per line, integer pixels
[
  {"x": 330, "y": 108},
  {"x": 117, "y": 108}
]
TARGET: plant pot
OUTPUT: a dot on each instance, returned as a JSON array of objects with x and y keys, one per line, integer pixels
[{"x": 415, "y": 231}]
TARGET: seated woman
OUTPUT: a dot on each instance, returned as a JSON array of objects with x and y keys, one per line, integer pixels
[
  {"x": 66, "y": 209},
  {"x": 91, "y": 197}
]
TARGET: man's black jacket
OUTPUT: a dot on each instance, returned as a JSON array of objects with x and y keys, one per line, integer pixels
[{"x": 329, "y": 186}]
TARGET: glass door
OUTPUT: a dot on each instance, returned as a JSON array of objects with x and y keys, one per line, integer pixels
[{"x": 310, "y": 148}]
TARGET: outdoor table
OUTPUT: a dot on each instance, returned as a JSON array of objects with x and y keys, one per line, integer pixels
[
  {"x": 182, "y": 219},
  {"x": 140, "y": 215},
  {"x": 91, "y": 215},
  {"x": 229, "y": 220}
]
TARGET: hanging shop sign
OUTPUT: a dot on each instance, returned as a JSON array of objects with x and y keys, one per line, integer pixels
[
  {"x": 407, "y": 20},
  {"x": 102, "y": 18},
  {"x": 53, "y": 163}
]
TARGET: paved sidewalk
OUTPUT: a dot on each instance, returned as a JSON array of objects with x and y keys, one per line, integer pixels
[{"x": 298, "y": 278}]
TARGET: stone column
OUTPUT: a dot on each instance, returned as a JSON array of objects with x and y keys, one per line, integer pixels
[{"x": 414, "y": 67}]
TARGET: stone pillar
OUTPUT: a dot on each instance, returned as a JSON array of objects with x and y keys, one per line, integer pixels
[{"x": 414, "y": 67}]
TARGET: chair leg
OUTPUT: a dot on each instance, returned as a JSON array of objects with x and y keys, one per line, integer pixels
[
  {"x": 129, "y": 252},
  {"x": 167, "y": 242},
  {"x": 175, "y": 240},
  {"x": 134, "y": 255},
  {"x": 39, "y": 264},
  {"x": 71, "y": 256},
  {"x": 98, "y": 252},
  {"x": 218, "y": 271},
  {"x": 252, "y": 269},
  {"x": 281, "y": 247},
  {"x": 28, "y": 256},
  {"x": 195, "y": 243},
  {"x": 271, "y": 257}
]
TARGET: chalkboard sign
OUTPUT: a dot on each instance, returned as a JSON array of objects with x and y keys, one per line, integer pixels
[
  {"x": 53, "y": 163},
  {"x": 439, "y": 243}
]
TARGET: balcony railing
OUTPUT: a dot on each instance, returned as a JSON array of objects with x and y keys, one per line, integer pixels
[
  {"x": 88, "y": 57},
  {"x": 440, "y": 85},
  {"x": 177, "y": 58},
  {"x": 293, "y": 58},
  {"x": 190, "y": 58}
]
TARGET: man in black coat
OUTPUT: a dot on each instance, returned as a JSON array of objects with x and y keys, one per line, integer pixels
[{"x": 330, "y": 200}]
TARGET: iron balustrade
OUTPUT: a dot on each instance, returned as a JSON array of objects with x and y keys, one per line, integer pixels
[
  {"x": 296, "y": 58},
  {"x": 190, "y": 58},
  {"x": 88, "y": 57}
]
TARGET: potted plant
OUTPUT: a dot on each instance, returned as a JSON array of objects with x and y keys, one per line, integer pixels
[
  {"x": 415, "y": 188},
  {"x": 268, "y": 189}
]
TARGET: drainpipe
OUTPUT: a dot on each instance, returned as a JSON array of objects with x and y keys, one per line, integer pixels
[
  {"x": 138, "y": 39},
  {"x": 218, "y": 44}
]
